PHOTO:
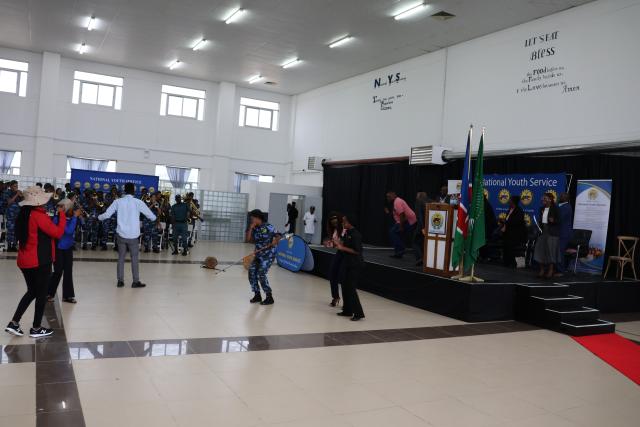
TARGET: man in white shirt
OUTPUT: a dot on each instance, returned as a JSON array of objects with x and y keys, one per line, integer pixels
[
  {"x": 129, "y": 209},
  {"x": 310, "y": 224}
]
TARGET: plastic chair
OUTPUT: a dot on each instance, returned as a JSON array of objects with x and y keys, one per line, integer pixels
[
  {"x": 578, "y": 246},
  {"x": 626, "y": 255}
]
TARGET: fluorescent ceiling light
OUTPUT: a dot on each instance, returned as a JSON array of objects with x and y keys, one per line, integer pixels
[
  {"x": 199, "y": 44},
  {"x": 291, "y": 63},
  {"x": 234, "y": 15},
  {"x": 82, "y": 49},
  {"x": 340, "y": 42},
  {"x": 412, "y": 10},
  {"x": 92, "y": 23},
  {"x": 255, "y": 79},
  {"x": 174, "y": 64}
]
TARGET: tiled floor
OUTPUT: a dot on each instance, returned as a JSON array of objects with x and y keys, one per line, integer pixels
[{"x": 305, "y": 366}]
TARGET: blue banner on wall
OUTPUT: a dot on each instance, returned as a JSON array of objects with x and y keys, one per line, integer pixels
[
  {"x": 593, "y": 201},
  {"x": 530, "y": 188},
  {"x": 294, "y": 254},
  {"x": 95, "y": 180}
]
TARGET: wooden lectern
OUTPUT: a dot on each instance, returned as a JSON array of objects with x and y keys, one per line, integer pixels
[{"x": 439, "y": 232}]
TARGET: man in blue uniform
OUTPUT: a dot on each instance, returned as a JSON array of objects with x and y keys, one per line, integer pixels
[
  {"x": 12, "y": 197},
  {"x": 266, "y": 238},
  {"x": 150, "y": 234},
  {"x": 179, "y": 216}
]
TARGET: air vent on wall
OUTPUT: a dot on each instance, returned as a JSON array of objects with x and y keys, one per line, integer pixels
[
  {"x": 314, "y": 163},
  {"x": 427, "y": 155},
  {"x": 443, "y": 16}
]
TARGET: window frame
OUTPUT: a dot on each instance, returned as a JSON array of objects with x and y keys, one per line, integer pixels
[
  {"x": 79, "y": 81},
  {"x": 21, "y": 69},
  {"x": 168, "y": 91},
  {"x": 274, "y": 122}
]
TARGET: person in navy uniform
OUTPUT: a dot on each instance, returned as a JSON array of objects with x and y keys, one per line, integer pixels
[
  {"x": 150, "y": 234},
  {"x": 565, "y": 212},
  {"x": 350, "y": 245},
  {"x": 109, "y": 225},
  {"x": 266, "y": 238},
  {"x": 12, "y": 196}
]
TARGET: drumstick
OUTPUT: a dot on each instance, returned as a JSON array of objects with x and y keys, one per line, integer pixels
[{"x": 286, "y": 237}]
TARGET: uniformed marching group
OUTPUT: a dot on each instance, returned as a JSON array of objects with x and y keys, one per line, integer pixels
[{"x": 174, "y": 227}]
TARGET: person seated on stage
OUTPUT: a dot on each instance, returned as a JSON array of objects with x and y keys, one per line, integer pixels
[
  {"x": 565, "y": 212},
  {"x": 444, "y": 197},
  {"x": 546, "y": 250},
  {"x": 514, "y": 231},
  {"x": 404, "y": 223},
  {"x": 350, "y": 245}
]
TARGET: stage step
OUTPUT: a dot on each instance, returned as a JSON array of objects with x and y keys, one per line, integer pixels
[
  {"x": 553, "y": 307},
  {"x": 578, "y": 328}
]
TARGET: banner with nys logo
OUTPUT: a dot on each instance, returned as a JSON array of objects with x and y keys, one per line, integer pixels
[
  {"x": 593, "y": 200},
  {"x": 102, "y": 181},
  {"x": 530, "y": 188}
]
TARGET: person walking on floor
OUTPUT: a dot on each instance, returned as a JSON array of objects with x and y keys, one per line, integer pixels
[
  {"x": 35, "y": 234},
  {"x": 128, "y": 209},
  {"x": 335, "y": 231},
  {"x": 310, "y": 224},
  {"x": 404, "y": 223},
  {"x": 63, "y": 265},
  {"x": 292, "y": 217},
  {"x": 565, "y": 212},
  {"x": 350, "y": 245},
  {"x": 179, "y": 216},
  {"x": 546, "y": 250},
  {"x": 266, "y": 238}
]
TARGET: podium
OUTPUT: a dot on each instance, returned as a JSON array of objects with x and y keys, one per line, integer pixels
[{"x": 438, "y": 239}]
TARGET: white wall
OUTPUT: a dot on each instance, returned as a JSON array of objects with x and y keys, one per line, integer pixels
[
  {"x": 136, "y": 136},
  {"x": 259, "y": 192},
  {"x": 476, "y": 82}
]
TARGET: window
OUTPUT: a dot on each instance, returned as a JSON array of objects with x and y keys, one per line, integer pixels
[
  {"x": 97, "y": 89},
  {"x": 10, "y": 162},
  {"x": 249, "y": 177},
  {"x": 13, "y": 77},
  {"x": 183, "y": 178},
  {"x": 259, "y": 114},
  {"x": 182, "y": 102},
  {"x": 89, "y": 164}
]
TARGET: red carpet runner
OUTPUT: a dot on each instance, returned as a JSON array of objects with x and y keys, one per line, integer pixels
[{"x": 618, "y": 352}]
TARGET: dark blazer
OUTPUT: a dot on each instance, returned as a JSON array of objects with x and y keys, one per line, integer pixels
[
  {"x": 515, "y": 229},
  {"x": 553, "y": 225},
  {"x": 566, "y": 220}
]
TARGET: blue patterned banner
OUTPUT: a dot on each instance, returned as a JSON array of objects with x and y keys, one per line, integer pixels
[{"x": 86, "y": 179}]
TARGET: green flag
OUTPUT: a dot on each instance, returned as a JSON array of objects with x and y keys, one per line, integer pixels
[{"x": 476, "y": 237}]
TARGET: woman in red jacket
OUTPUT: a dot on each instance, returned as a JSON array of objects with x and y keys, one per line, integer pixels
[{"x": 36, "y": 235}]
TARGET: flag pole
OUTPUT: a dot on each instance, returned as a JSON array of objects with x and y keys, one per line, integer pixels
[{"x": 460, "y": 274}]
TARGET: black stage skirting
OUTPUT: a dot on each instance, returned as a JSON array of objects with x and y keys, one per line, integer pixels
[{"x": 401, "y": 281}]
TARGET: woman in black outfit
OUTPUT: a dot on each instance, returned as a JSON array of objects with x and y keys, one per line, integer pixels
[
  {"x": 334, "y": 231},
  {"x": 514, "y": 231},
  {"x": 546, "y": 251},
  {"x": 351, "y": 247}
]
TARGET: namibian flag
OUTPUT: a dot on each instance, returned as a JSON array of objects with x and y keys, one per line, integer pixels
[{"x": 463, "y": 207}]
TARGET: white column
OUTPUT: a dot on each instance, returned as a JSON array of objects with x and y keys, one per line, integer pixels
[
  {"x": 46, "y": 123},
  {"x": 222, "y": 148}
]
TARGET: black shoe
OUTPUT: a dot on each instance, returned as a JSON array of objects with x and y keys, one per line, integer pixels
[
  {"x": 147, "y": 250},
  {"x": 256, "y": 298},
  {"x": 185, "y": 253},
  {"x": 268, "y": 300},
  {"x": 138, "y": 285},
  {"x": 103, "y": 247},
  {"x": 335, "y": 302},
  {"x": 190, "y": 245},
  {"x": 120, "y": 284},
  {"x": 84, "y": 247},
  {"x": 357, "y": 317},
  {"x": 40, "y": 332},
  {"x": 174, "y": 253},
  {"x": 156, "y": 250},
  {"x": 12, "y": 249},
  {"x": 94, "y": 247},
  {"x": 115, "y": 248},
  {"x": 345, "y": 314},
  {"x": 14, "y": 329}
]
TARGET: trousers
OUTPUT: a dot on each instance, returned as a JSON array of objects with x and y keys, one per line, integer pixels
[
  {"x": 62, "y": 268},
  {"x": 180, "y": 231},
  {"x": 397, "y": 236},
  {"x": 335, "y": 273},
  {"x": 37, "y": 280},
  {"x": 258, "y": 273},
  {"x": 134, "y": 250},
  {"x": 351, "y": 301}
]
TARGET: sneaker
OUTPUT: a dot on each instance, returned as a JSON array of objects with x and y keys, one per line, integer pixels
[
  {"x": 357, "y": 317},
  {"x": 40, "y": 332},
  {"x": 185, "y": 253},
  {"x": 138, "y": 285},
  {"x": 268, "y": 300},
  {"x": 14, "y": 329},
  {"x": 256, "y": 298},
  {"x": 120, "y": 284}
]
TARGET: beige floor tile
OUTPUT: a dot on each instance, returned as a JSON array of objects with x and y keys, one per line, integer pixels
[
  {"x": 18, "y": 421},
  {"x": 173, "y": 365},
  {"x": 191, "y": 387},
  {"x": 113, "y": 393},
  {"x": 287, "y": 406},
  {"x": 128, "y": 415},
  {"x": 622, "y": 413},
  {"x": 451, "y": 413},
  {"x": 257, "y": 382},
  {"x": 18, "y": 374},
  {"x": 17, "y": 400},
  {"x": 406, "y": 392},
  {"x": 109, "y": 369},
  {"x": 386, "y": 417},
  {"x": 227, "y": 411},
  {"x": 502, "y": 405},
  {"x": 349, "y": 398}
]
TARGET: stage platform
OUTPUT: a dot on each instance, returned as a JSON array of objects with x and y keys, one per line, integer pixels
[{"x": 495, "y": 299}]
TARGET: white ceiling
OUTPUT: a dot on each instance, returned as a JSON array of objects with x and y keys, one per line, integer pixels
[{"x": 149, "y": 34}]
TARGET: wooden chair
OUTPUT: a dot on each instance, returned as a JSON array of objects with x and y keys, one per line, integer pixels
[{"x": 626, "y": 255}]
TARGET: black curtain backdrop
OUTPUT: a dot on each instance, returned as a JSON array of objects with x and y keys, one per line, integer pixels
[{"x": 360, "y": 189}]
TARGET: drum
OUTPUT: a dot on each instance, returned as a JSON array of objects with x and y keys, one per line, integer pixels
[
  {"x": 210, "y": 262},
  {"x": 248, "y": 260}
]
